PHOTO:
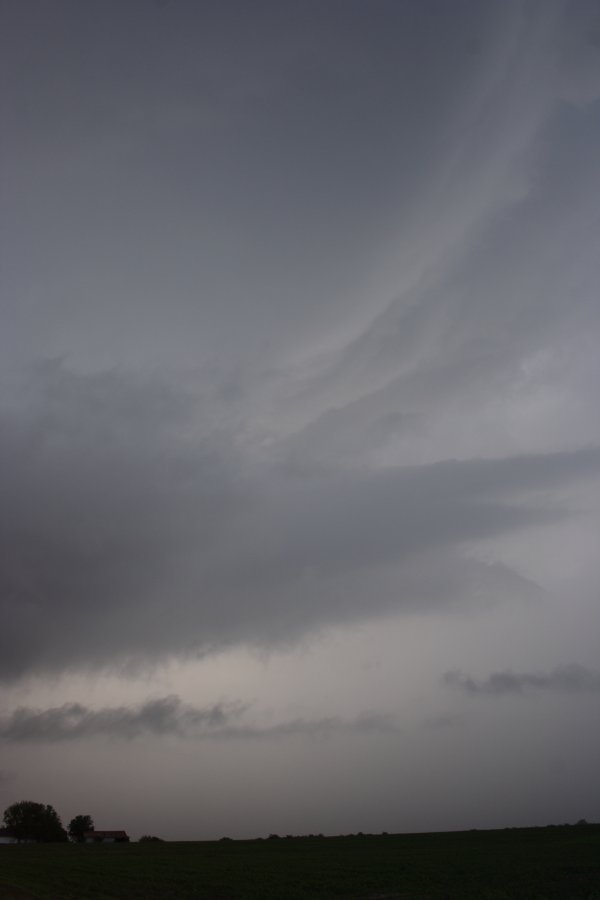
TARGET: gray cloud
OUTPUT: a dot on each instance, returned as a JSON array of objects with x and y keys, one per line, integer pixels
[
  {"x": 245, "y": 462},
  {"x": 165, "y": 715},
  {"x": 133, "y": 526},
  {"x": 319, "y": 286},
  {"x": 573, "y": 679},
  {"x": 170, "y": 716},
  {"x": 365, "y": 724},
  {"x": 443, "y": 721}
]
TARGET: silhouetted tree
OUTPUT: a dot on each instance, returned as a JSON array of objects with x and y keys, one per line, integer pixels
[
  {"x": 78, "y": 827},
  {"x": 28, "y": 821}
]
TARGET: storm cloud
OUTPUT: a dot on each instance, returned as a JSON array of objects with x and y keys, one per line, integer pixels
[
  {"x": 165, "y": 715},
  {"x": 299, "y": 401},
  {"x": 571, "y": 679},
  {"x": 130, "y": 533},
  {"x": 170, "y": 716},
  {"x": 159, "y": 501}
]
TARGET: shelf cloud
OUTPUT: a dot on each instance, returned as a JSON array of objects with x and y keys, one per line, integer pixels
[{"x": 130, "y": 535}]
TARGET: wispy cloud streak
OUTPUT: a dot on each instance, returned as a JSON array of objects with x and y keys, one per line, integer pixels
[
  {"x": 71, "y": 721},
  {"x": 572, "y": 679},
  {"x": 170, "y": 716}
]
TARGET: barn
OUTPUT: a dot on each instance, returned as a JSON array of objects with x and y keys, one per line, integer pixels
[{"x": 105, "y": 837}]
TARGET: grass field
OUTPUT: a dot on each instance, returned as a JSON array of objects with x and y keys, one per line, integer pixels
[{"x": 525, "y": 863}]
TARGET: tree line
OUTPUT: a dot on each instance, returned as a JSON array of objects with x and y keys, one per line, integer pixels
[{"x": 29, "y": 821}]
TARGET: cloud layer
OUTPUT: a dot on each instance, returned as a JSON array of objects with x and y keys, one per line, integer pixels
[
  {"x": 572, "y": 679},
  {"x": 128, "y": 533},
  {"x": 165, "y": 715},
  {"x": 317, "y": 358},
  {"x": 299, "y": 400},
  {"x": 170, "y": 716}
]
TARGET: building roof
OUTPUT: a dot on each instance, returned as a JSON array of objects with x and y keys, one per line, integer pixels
[{"x": 105, "y": 834}]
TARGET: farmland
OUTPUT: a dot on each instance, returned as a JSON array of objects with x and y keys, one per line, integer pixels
[{"x": 526, "y": 864}]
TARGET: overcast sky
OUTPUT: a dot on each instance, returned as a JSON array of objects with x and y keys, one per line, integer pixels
[{"x": 299, "y": 417}]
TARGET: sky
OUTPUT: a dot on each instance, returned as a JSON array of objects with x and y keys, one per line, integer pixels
[{"x": 300, "y": 437}]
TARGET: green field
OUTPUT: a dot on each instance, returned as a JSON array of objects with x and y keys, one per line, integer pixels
[{"x": 525, "y": 863}]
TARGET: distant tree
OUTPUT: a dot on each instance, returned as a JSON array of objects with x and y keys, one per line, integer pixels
[
  {"x": 29, "y": 821},
  {"x": 78, "y": 827},
  {"x": 151, "y": 838}
]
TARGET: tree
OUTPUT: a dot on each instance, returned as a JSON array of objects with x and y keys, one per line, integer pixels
[
  {"x": 28, "y": 821},
  {"x": 78, "y": 827}
]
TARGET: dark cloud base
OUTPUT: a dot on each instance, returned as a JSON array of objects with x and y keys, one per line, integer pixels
[
  {"x": 133, "y": 528},
  {"x": 169, "y": 716},
  {"x": 572, "y": 679}
]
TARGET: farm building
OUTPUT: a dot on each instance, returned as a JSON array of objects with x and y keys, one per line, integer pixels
[{"x": 105, "y": 837}]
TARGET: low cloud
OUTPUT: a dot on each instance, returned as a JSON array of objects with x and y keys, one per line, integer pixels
[
  {"x": 162, "y": 716},
  {"x": 133, "y": 527},
  {"x": 443, "y": 721},
  {"x": 170, "y": 716},
  {"x": 365, "y": 723},
  {"x": 568, "y": 679}
]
